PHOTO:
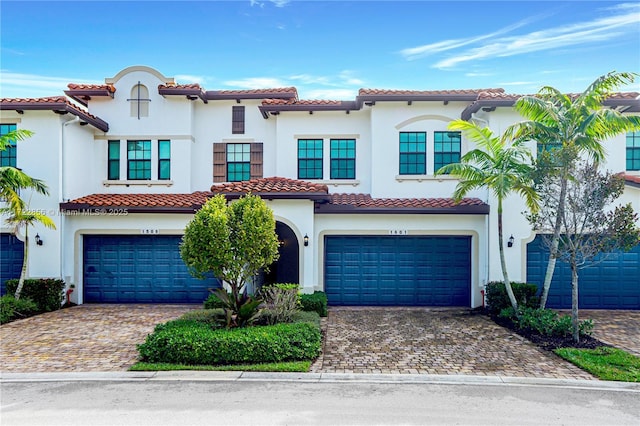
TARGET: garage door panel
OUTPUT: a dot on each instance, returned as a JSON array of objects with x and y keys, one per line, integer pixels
[
  {"x": 407, "y": 270},
  {"x": 610, "y": 283},
  {"x": 139, "y": 269}
]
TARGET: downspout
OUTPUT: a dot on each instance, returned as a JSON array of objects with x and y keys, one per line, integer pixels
[
  {"x": 487, "y": 223},
  {"x": 61, "y": 195}
]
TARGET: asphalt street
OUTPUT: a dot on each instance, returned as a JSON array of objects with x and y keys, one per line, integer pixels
[{"x": 197, "y": 399}]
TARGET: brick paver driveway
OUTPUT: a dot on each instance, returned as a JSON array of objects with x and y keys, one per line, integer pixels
[
  {"x": 82, "y": 338},
  {"x": 617, "y": 328},
  {"x": 432, "y": 341}
]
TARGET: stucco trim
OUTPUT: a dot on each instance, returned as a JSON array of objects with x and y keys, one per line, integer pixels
[{"x": 140, "y": 68}]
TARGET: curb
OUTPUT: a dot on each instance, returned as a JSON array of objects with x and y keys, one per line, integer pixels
[{"x": 201, "y": 376}]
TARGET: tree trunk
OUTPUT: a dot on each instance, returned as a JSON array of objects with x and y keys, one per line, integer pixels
[
  {"x": 503, "y": 263},
  {"x": 551, "y": 265},
  {"x": 574, "y": 301},
  {"x": 25, "y": 259}
]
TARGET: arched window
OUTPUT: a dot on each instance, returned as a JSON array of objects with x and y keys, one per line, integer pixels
[{"x": 139, "y": 101}]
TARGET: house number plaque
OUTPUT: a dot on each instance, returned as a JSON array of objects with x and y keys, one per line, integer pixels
[
  {"x": 398, "y": 232},
  {"x": 149, "y": 231}
]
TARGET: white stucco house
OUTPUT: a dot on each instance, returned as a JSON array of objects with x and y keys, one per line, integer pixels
[{"x": 359, "y": 211}]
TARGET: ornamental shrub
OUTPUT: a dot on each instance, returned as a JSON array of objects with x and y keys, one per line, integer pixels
[
  {"x": 281, "y": 302},
  {"x": 316, "y": 301},
  {"x": 213, "y": 302},
  {"x": 194, "y": 343},
  {"x": 497, "y": 298},
  {"x": 47, "y": 293},
  {"x": 12, "y": 309},
  {"x": 549, "y": 323}
]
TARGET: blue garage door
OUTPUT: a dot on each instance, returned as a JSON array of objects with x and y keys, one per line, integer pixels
[
  {"x": 612, "y": 284},
  {"x": 139, "y": 269},
  {"x": 11, "y": 254},
  {"x": 398, "y": 270}
]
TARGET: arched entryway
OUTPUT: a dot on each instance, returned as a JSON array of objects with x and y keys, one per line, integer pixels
[{"x": 287, "y": 268}]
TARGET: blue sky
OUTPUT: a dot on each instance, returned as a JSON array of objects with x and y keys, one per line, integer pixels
[{"x": 327, "y": 49}]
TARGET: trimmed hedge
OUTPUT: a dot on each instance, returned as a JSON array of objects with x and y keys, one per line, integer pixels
[
  {"x": 193, "y": 343},
  {"x": 316, "y": 301},
  {"x": 12, "y": 309},
  {"x": 47, "y": 293},
  {"x": 497, "y": 298}
]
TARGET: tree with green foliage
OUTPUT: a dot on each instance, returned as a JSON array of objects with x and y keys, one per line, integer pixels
[
  {"x": 233, "y": 241},
  {"x": 568, "y": 127},
  {"x": 589, "y": 226},
  {"x": 12, "y": 182},
  {"x": 500, "y": 167}
]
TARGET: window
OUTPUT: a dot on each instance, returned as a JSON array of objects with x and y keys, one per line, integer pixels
[
  {"x": 343, "y": 159},
  {"x": 237, "y": 120},
  {"x": 113, "y": 164},
  {"x": 139, "y": 101},
  {"x": 446, "y": 148},
  {"x": 138, "y": 160},
  {"x": 413, "y": 153},
  {"x": 8, "y": 157},
  {"x": 238, "y": 162},
  {"x": 310, "y": 158},
  {"x": 633, "y": 151},
  {"x": 164, "y": 160},
  {"x": 225, "y": 153}
]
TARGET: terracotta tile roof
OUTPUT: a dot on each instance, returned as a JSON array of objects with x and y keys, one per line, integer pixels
[
  {"x": 179, "y": 86},
  {"x": 281, "y": 90},
  {"x": 272, "y": 185},
  {"x": 53, "y": 103},
  {"x": 300, "y": 102},
  {"x": 369, "y": 92},
  {"x": 633, "y": 180},
  {"x": 176, "y": 201},
  {"x": 92, "y": 87},
  {"x": 366, "y": 201},
  {"x": 498, "y": 95}
]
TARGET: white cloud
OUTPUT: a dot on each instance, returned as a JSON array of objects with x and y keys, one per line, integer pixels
[
  {"x": 187, "y": 78},
  {"x": 32, "y": 85},
  {"x": 331, "y": 94},
  {"x": 256, "y": 83},
  {"x": 623, "y": 19}
]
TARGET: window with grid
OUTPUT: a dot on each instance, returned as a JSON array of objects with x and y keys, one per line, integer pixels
[
  {"x": 446, "y": 148},
  {"x": 8, "y": 157},
  {"x": 237, "y": 120},
  {"x": 238, "y": 162},
  {"x": 139, "y": 160},
  {"x": 113, "y": 163},
  {"x": 633, "y": 151},
  {"x": 309, "y": 158},
  {"x": 164, "y": 160},
  {"x": 413, "y": 152},
  {"x": 343, "y": 159}
]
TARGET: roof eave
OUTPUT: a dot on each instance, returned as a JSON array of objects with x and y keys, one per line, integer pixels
[
  {"x": 191, "y": 94},
  {"x": 342, "y": 106},
  {"x": 468, "y": 112},
  {"x": 57, "y": 107},
  {"x": 221, "y": 96},
  {"x": 91, "y": 210},
  {"x": 482, "y": 209},
  {"x": 82, "y": 96}
]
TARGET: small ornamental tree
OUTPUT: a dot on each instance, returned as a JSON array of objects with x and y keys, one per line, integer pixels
[
  {"x": 233, "y": 241},
  {"x": 589, "y": 224}
]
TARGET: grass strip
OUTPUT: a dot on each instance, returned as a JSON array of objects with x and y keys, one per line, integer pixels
[
  {"x": 288, "y": 367},
  {"x": 605, "y": 363}
]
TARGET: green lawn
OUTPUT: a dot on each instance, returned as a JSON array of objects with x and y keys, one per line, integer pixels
[
  {"x": 604, "y": 362},
  {"x": 294, "y": 367}
]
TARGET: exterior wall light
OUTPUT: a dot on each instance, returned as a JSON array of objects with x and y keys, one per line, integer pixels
[
  {"x": 306, "y": 240},
  {"x": 39, "y": 240},
  {"x": 510, "y": 241}
]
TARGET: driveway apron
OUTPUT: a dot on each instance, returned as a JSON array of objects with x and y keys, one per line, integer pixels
[
  {"x": 82, "y": 338},
  {"x": 432, "y": 341},
  {"x": 619, "y": 328}
]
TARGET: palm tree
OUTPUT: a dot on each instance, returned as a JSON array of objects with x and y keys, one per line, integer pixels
[
  {"x": 12, "y": 181},
  {"x": 577, "y": 125},
  {"x": 501, "y": 168},
  {"x": 25, "y": 218}
]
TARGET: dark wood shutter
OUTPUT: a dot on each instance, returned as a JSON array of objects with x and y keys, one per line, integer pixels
[
  {"x": 219, "y": 162},
  {"x": 237, "y": 120},
  {"x": 256, "y": 161}
]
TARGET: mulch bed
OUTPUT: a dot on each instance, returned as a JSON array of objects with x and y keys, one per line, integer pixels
[{"x": 548, "y": 343}]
